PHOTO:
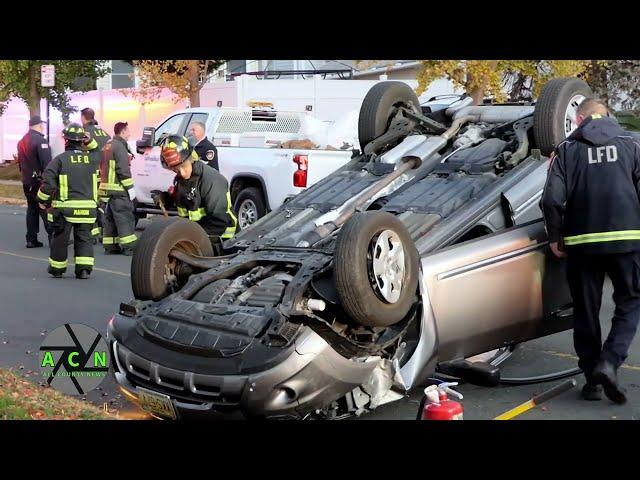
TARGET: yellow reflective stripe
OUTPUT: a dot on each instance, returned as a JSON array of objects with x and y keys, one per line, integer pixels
[
  {"x": 43, "y": 196},
  {"x": 230, "y": 212},
  {"x": 112, "y": 171},
  {"x": 56, "y": 264},
  {"x": 80, "y": 220},
  {"x": 109, "y": 240},
  {"x": 92, "y": 144},
  {"x": 94, "y": 182},
  {"x": 596, "y": 115},
  {"x": 49, "y": 217},
  {"x": 183, "y": 212},
  {"x": 64, "y": 187},
  {"x": 127, "y": 182},
  {"x": 229, "y": 232},
  {"x": 83, "y": 260},
  {"x": 603, "y": 237},
  {"x": 74, "y": 204},
  {"x": 196, "y": 215},
  {"x": 111, "y": 186},
  {"x": 95, "y": 231},
  {"x": 128, "y": 239}
]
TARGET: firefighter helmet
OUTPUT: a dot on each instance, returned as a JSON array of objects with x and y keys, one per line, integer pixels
[
  {"x": 175, "y": 150},
  {"x": 73, "y": 132}
]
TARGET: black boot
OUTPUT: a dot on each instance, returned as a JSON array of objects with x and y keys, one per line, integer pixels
[
  {"x": 34, "y": 244},
  {"x": 591, "y": 392},
  {"x": 83, "y": 274},
  {"x": 606, "y": 374},
  {"x": 111, "y": 250},
  {"x": 54, "y": 272}
]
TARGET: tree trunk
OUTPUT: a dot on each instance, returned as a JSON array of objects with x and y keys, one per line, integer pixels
[
  {"x": 194, "y": 83},
  {"x": 477, "y": 93},
  {"x": 34, "y": 96}
]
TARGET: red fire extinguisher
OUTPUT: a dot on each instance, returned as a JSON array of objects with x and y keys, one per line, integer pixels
[{"x": 438, "y": 406}]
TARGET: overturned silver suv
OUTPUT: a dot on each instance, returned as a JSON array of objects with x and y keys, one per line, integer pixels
[{"x": 427, "y": 247}]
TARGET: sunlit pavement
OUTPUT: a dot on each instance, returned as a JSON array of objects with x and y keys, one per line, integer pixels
[{"x": 33, "y": 304}]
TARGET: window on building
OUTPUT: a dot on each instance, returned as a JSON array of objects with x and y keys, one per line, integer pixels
[
  {"x": 236, "y": 66},
  {"x": 121, "y": 74}
]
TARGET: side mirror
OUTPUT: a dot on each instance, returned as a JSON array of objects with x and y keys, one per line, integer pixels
[{"x": 147, "y": 140}]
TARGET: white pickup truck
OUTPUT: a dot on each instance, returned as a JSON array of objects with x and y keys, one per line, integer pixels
[{"x": 261, "y": 175}]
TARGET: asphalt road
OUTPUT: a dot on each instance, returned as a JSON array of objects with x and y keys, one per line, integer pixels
[{"x": 32, "y": 303}]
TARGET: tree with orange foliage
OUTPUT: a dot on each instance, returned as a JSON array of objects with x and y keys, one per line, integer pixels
[
  {"x": 184, "y": 78},
  {"x": 496, "y": 78}
]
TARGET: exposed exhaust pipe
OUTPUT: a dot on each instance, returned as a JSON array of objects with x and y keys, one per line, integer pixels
[{"x": 494, "y": 113}]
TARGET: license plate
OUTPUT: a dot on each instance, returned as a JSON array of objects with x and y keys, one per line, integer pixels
[{"x": 156, "y": 403}]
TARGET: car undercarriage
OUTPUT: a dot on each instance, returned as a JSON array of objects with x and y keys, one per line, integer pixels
[{"x": 427, "y": 247}]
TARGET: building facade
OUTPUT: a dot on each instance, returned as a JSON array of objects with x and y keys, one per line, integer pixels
[{"x": 122, "y": 76}]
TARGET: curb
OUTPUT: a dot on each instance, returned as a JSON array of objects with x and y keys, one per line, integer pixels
[{"x": 13, "y": 201}]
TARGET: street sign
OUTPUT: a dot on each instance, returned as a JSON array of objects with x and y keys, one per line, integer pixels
[{"x": 48, "y": 75}]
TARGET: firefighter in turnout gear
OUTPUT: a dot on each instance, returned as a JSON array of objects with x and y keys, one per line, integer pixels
[
  {"x": 591, "y": 206},
  {"x": 118, "y": 233},
  {"x": 201, "y": 193},
  {"x": 70, "y": 190},
  {"x": 92, "y": 147},
  {"x": 90, "y": 126},
  {"x": 98, "y": 139}
]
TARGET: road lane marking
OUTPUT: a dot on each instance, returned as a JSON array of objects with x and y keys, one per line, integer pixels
[
  {"x": 573, "y": 357},
  {"x": 28, "y": 257}
]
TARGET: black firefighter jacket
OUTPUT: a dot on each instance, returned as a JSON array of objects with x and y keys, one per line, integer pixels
[
  {"x": 97, "y": 133},
  {"x": 115, "y": 173},
  {"x": 591, "y": 201},
  {"x": 70, "y": 184},
  {"x": 205, "y": 198}
]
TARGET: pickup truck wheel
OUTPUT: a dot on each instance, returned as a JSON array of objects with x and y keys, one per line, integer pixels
[
  {"x": 554, "y": 117},
  {"x": 154, "y": 273},
  {"x": 249, "y": 207},
  {"x": 380, "y": 106},
  {"x": 376, "y": 268}
]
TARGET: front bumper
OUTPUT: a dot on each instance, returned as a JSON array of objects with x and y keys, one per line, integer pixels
[{"x": 309, "y": 377}]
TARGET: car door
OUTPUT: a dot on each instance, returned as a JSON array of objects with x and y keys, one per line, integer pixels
[
  {"x": 496, "y": 290},
  {"x": 148, "y": 172}
]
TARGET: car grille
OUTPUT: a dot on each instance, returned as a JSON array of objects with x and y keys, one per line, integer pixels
[{"x": 185, "y": 386}]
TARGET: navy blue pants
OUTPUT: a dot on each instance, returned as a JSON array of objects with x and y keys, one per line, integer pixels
[
  {"x": 585, "y": 274},
  {"x": 34, "y": 213}
]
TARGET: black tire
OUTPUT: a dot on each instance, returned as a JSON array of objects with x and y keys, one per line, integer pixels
[
  {"x": 548, "y": 116},
  {"x": 379, "y": 106},
  {"x": 254, "y": 196},
  {"x": 152, "y": 253},
  {"x": 352, "y": 269}
]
